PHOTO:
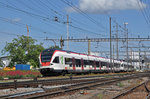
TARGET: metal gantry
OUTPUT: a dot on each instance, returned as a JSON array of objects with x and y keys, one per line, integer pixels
[
  {"x": 89, "y": 40},
  {"x": 101, "y": 39}
]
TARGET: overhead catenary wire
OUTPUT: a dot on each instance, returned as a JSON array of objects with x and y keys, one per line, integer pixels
[
  {"x": 31, "y": 8},
  {"x": 62, "y": 21},
  {"x": 146, "y": 9},
  {"x": 23, "y": 25},
  {"x": 76, "y": 26},
  {"x": 40, "y": 7},
  {"x": 91, "y": 32},
  {"x": 143, "y": 12},
  {"x": 84, "y": 14},
  {"x": 63, "y": 16},
  {"x": 15, "y": 23},
  {"x": 29, "y": 13},
  {"x": 23, "y": 11},
  {"x": 74, "y": 19}
]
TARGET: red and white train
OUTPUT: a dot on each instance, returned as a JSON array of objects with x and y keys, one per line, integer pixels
[{"x": 60, "y": 61}]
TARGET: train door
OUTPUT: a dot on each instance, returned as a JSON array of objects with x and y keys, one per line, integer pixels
[
  {"x": 56, "y": 63},
  {"x": 82, "y": 64},
  {"x": 100, "y": 65},
  {"x": 86, "y": 65},
  {"x": 61, "y": 58},
  {"x": 73, "y": 63},
  {"x": 78, "y": 65},
  {"x": 91, "y": 66},
  {"x": 94, "y": 65},
  {"x": 68, "y": 64},
  {"x": 107, "y": 67}
]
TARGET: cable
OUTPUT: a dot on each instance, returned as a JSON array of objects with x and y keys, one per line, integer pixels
[
  {"x": 63, "y": 16},
  {"x": 29, "y": 13},
  {"x": 86, "y": 30},
  {"x": 143, "y": 13},
  {"x": 75, "y": 21},
  {"x": 31, "y": 8},
  {"x": 83, "y": 13},
  {"x": 23, "y": 25},
  {"x": 23, "y": 11}
]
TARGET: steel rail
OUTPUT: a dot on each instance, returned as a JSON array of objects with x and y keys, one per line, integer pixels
[
  {"x": 79, "y": 86},
  {"x": 34, "y": 83},
  {"x": 132, "y": 89}
]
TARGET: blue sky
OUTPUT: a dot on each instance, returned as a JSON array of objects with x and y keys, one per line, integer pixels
[{"x": 88, "y": 18}]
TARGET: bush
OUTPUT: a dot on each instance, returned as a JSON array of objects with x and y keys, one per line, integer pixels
[
  {"x": 14, "y": 77},
  {"x": 1, "y": 78},
  {"x": 19, "y": 74}
]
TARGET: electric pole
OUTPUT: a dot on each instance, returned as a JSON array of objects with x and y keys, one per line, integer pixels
[
  {"x": 113, "y": 56},
  {"x": 27, "y": 38},
  {"x": 27, "y": 31},
  {"x": 89, "y": 47},
  {"x": 126, "y": 39},
  {"x": 67, "y": 32},
  {"x": 127, "y": 51},
  {"x": 139, "y": 56},
  {"x": 117, "y": 42},
  {"x": 110, "y": 45},
  {"x": 131, "y": 57}
]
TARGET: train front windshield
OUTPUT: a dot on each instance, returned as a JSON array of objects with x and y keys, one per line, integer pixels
[{"x": 46, "y": 55}]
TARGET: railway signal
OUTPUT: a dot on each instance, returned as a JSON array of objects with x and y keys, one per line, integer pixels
[{"x": 61, "y": 42}]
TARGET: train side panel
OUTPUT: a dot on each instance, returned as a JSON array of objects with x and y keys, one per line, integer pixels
[{"x": 59, "y": 61}]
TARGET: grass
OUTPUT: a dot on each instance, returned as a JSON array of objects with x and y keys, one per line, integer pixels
[
  {"x": 100, "y": 96},
  {"x": 129, "y": 81},
  {"x": 120, "y": 84},
  {"x": 108, "y": 76}
]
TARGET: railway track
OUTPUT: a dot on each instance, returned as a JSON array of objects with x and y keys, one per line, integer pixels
[
  {"x": 36, "y": 83},
  {"x": 50, "y": 92},
  {"x": 141, "y": 91},
  {"x": 58, "y": 81}
]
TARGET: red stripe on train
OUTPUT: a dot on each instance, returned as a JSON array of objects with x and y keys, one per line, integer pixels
[{"x": 45, "y": 63}]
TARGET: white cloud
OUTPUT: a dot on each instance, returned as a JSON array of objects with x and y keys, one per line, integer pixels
[
  {"x": 16, "y": 20},
  {"x": 108, "y": 6},
  {"x": 13, "y": 20}
]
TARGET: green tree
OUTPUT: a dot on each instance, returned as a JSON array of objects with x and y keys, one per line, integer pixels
[
  {"x": 23, "y": 50},
  {"x": 55, "y": 47}
]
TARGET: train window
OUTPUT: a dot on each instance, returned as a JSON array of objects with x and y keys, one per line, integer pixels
[
  {"x": 91, "y": 62},
  {"x": 85, "y": 63},
  {"x": 110, "y": 65},
  {"x": 68, "y": 61},
  {"x": 46, "y": 55},
  {"x": 117, "y": 65},
  {"x": 97, "y": 64},
  {"x": 104, "y": 64},
  {"x": 78, "y": 62},
  {"x": 56, "y": 60}
]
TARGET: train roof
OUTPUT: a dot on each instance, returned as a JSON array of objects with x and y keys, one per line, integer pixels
[{"x": 53, "y": 49}]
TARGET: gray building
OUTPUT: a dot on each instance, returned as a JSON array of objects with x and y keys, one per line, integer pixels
[
  {"x": 140, "y": 60},
  {"x": 4, "y": 61}
]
